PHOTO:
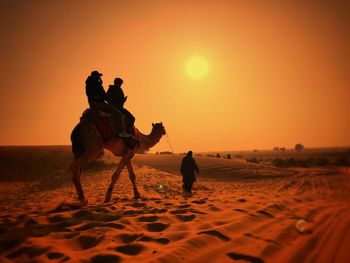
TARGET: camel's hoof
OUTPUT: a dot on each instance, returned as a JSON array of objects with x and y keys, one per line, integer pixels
[
  {"x": 84, "y": 202},
  {"x": 137, "y": 196},
  {"x": 108, "y": 198}
]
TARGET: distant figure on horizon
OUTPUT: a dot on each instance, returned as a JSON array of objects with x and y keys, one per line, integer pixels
[
  {"x": 116, "y": 97},
  {"x": 188, "y": 168},
  {"x": 97, "y": 98}
]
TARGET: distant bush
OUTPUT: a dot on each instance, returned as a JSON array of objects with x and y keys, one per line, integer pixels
[
  {"x": 239, "y": 156},
  {"x": 306, "y": 162},
  {"x": 321, "y": 162},
  {"x": 298, "y": 147},
  {"x": 291, "y": 162},
  {"x": 278, "y": 162},
  {"x": 252, "y": 160},
  {"x": 228, "y": 156},
  {"x": 342, "y": 161},
  {"x": 279, "y": 149},
  {"x": 218, "y": 155},
  {"x": 255, "y": 150},
  {"x": 166, "y": 152}
]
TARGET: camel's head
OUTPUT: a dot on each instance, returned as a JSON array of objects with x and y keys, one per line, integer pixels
[{"x": 158, "y": 128}]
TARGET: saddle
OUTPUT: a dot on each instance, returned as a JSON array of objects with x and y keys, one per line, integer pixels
[{"x": 102, "y": 122}]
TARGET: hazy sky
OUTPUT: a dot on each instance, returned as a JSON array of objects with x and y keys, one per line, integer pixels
[{"x": 278, "y": 70}]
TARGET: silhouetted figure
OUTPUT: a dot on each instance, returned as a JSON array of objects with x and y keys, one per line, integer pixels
[
  {"x": 97, "y": 98},
  {"x": 94, "y": 90},
  {"x": 115, "y": 96},
  {"x": 188, "y": 168}
]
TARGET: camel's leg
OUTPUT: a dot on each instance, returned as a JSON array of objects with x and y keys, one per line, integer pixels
[
  {"x": 76, "y": 167},
  {"x": 125, "y": 159},
  {"x": 133, "y": 179},
  {"x": 76, "y": 170}
]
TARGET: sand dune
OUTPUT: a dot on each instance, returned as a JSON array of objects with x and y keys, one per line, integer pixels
[{"x": 239, "y": 212}]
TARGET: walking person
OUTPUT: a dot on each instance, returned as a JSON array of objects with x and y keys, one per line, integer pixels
[{"x": 188, "y": 169}]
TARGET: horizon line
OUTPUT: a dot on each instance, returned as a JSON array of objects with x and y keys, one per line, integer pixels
[{"x": 206, "y": 151}]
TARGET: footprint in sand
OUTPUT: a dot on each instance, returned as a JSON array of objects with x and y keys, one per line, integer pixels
[
  {"x": 158, "y": 211},
  {"x": 55, "y": 255},
  {"x": 245, "y": 212},
  {"x": 56, "y": 219},
  {"x": 133, "y": 213},
  {"x": 128, "y": 238},
  {"x": 237, "y": 256},
  {"x": 31, "y": 252},
  {"x": 72, "y": 235},
  {"x": 62, "y": 226},
  {"x": 87, "y": 226},
  {"x": 186, "y": 218},
  {"x": 200, "y": 202},
  {"x": 105, "y": 258},
  {"x": 113, "y": 225},
  {"x": 216, "y": 234},
  {"x": 82, "y": 213},
  {"x": 11, "y": 243},
  {"x": 179, "y": 211},
  {"x": 104, "y": 217},
  {"x": 267, "y": 214},
  {"x": 148, "y": 218},
  {"x": 197, "y": 212},
  {"x": 214, "y": 208},
  {"x": 242, "y": 200},
  {"x": 184, "y": 206},
  {"x": 65, "y": 205},
  {"x": 31, "y": 222},
  {"x": 138, "y": 205},
  {"x": 131, "y": 249},
  {"x": 157, "y": 227},
  {"x": 163, "y": 241},
  {"x": 87, "y": 242}
]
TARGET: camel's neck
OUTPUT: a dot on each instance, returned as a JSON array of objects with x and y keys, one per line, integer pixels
[{"x": 148, "y": 141}]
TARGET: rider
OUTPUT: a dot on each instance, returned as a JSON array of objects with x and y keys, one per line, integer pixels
[
  {"x": 97, "y": 100},
  {"x": 115, "y": 97}
]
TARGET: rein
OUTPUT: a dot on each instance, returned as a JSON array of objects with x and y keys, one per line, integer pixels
[{"x": 169, "y": 143}]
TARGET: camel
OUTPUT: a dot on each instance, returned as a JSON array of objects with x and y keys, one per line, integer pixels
[{"x": 88, "y": 145}]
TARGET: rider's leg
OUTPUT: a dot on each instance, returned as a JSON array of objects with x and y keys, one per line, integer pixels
[
  {"x": 129, "y": 120},
  {"x": 119, "y": 117}
]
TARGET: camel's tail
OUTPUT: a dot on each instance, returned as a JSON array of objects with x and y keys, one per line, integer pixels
[{"x": 77, "y": 144}]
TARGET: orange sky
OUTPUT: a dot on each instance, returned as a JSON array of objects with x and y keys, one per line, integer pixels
[{"x": 278, "y": 74}]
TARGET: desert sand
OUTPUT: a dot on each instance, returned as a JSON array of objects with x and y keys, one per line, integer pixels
[{"x": 239, "y": 211}]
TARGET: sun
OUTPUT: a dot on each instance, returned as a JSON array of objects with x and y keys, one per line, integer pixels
[{"x": 197, "y": 67}]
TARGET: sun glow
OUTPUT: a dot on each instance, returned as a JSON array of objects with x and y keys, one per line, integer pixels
[{"x": 197, "y": 67}]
